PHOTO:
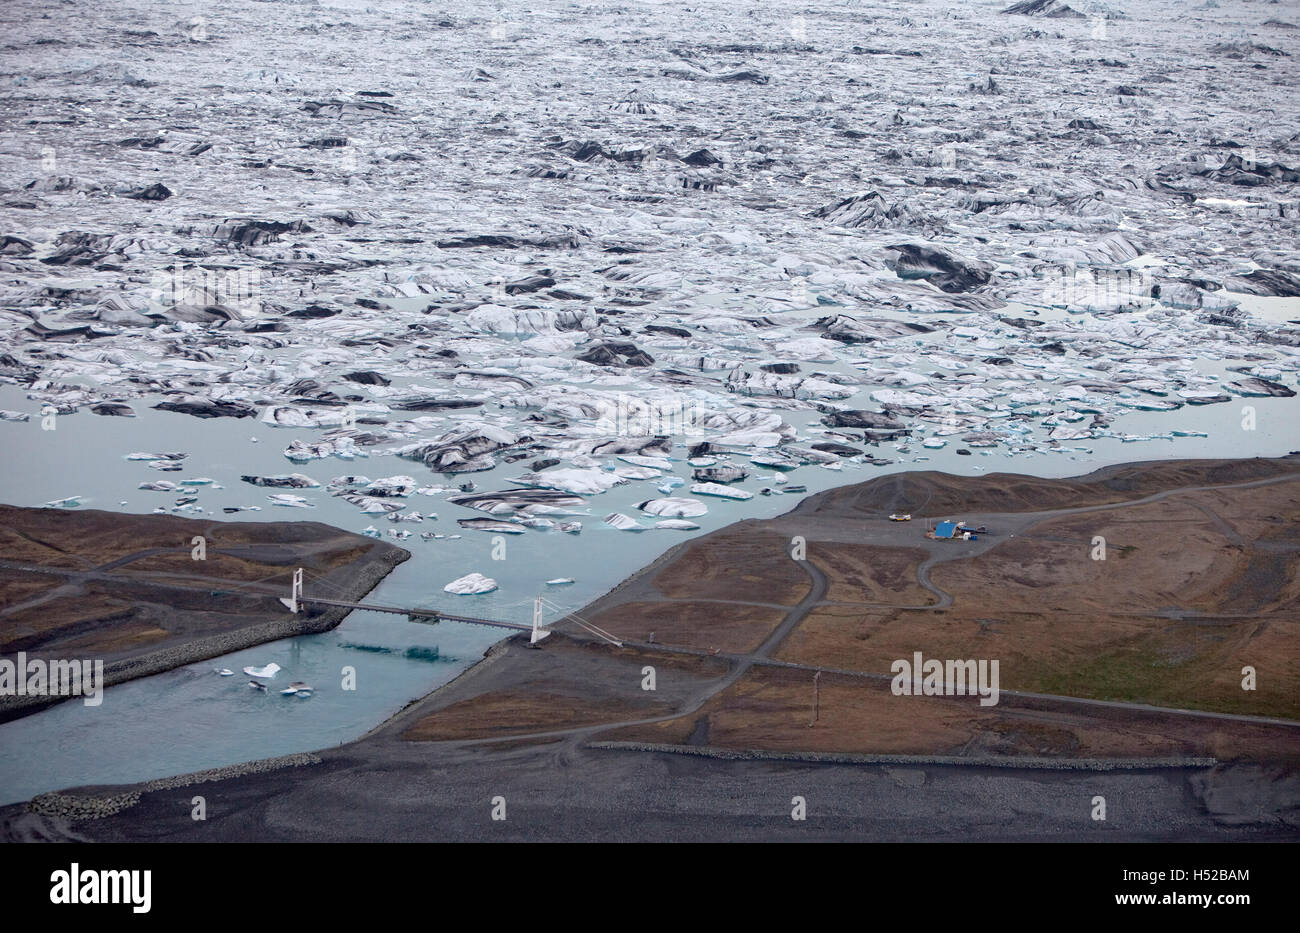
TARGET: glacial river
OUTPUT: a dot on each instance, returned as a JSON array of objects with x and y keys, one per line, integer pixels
[{"x": 189, "y": 719}]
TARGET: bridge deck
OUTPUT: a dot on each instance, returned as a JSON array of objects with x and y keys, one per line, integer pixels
[{"x": 432, "y": 614}]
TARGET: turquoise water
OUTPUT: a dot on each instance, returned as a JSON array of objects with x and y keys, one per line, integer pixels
[{"x": 190, "y": 718}]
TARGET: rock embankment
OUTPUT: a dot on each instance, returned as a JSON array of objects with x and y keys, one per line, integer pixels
[{"x": 73, "y": 808}]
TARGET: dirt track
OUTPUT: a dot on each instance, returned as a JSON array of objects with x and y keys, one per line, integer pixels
[{"x": 429, "y": 773}]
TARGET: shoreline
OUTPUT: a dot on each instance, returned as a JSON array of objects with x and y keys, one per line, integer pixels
[
  {"x": 374, "y": 567},
  {"x": 497, "y": 650},
  {"x": 382, "y": 742},
  {"x": 807, "y": 504}
]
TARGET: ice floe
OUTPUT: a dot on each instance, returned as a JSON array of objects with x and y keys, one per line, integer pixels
[
  {"x": 722, "y": 492},
  {"x": 674, "y": 507},
  {"x": 676, "y": 275},
  {"x": 471, "y": 584},
  {"x": 268, "y": 671}
]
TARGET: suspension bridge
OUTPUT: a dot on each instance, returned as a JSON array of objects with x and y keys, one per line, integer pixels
[{"x": 297, "y": 600}]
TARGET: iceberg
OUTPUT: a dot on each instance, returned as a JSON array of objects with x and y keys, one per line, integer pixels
[
  {"x": 269, "y": 671},
  {"x": 67, "y": 502},
  {"x": 657, "y": 463},
  {"x": 283, "y": 481},
  {"x": 623, "y": 522},
  {"x": 674, "y": 507},
  {"x": 145, "y": 456},
  {"x": 491, "y": 525},
  {"x": 578, "y": 481},
  {"x": 717, "y": 489},
  {"x": 290, "y": 501},
  {"x": 623, "y": 297},
  {"x": 472, "y": 584}
]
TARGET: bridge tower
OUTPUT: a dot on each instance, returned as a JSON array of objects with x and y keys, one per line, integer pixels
[
  {"x": 293, "y": 602},
  {"x": 538, "y": 632}
]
